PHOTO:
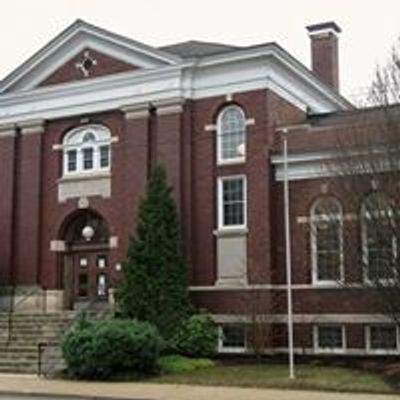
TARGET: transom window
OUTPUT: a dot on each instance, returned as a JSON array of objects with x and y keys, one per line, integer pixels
[
  {"x": 378, "y": 238},
  {"x": 329, "y": 337},
  {"x": 232, "y": 202},
  {"x": 326, "y": 240},
  {"x": 382, "y": 337},
  {"x": 87, "y": 149},
  {"x": 231, "y": 135}
]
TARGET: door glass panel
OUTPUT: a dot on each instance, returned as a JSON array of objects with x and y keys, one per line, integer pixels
[
  {"x": 83, "y": 284},
  {"x": 83, "y": 262},
  {"x": 101, "y": 261},
  {"x": 101, "y": 285}
]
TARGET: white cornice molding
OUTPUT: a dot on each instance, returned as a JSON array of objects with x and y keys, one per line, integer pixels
[
  {"x": 255, "y": 70},
  {"x": 325, "y": 164},
  {"x": 74, "y": 39}
]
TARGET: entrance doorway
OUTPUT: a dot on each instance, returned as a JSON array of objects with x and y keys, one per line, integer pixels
[
  {"x": 86, "y": 262},
  {"x": 90, "y": 276}
]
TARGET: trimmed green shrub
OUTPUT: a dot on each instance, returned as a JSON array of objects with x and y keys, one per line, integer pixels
[
  {"x": 176, "y": 363},
  {"x": 196, "y": 337},
  {"x": 100, "y": 349}
]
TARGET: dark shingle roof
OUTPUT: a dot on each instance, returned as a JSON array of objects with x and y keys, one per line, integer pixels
[{"x": 194, "y": 48}]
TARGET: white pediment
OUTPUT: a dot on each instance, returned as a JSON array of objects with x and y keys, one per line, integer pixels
[{"x": 73, "y": 40}]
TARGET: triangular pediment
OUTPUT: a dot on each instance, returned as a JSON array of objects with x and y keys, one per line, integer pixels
[{"x": 63, "y": 59}]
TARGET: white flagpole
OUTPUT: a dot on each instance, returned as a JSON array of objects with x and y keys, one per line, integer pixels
[{"x": 288, "y": 258}]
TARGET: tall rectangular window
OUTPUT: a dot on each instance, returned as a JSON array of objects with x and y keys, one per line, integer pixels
[
  {"x": 104, "y": 156},
  {"x": 326, "y": 220},
  {"x": 232, "y": 202},
  {"x": 72, "y": 158},
  {"x": 88, "y": 162}
]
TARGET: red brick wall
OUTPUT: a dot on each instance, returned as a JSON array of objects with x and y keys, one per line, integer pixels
[
  {"x": 105, "y": 66},
  {"x": 325, "y": 61},
  {"x": 27, "y": 214},
  {"x": 188, "y": 150}
]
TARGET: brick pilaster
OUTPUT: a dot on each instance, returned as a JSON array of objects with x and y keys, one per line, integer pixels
[
  {"x": 28, "y": 203},
  {"x": 7, "y": 181}
]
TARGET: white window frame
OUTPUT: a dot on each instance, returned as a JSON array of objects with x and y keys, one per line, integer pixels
[
  {"x": 230, "y": 349},
  {"x": 381, "y": 351},
  {"x": 66, "y": 161},
  {"x": 330, "y": 350},
  {"x": 220, "y": 206},
  {"x": 364, "y": 244},
  {"x": 73, "y": 140},
  {"x": 220, "y": 135},
  {"x": 313, "y": 241}
]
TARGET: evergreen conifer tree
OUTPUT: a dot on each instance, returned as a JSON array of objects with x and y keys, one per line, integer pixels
[{"x": 154, "y": 284}]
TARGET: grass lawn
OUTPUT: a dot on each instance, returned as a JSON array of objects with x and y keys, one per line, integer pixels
[{"x": 312, "y": 377}]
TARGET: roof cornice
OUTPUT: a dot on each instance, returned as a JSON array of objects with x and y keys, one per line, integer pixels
[{"x": 88, "y": 35}]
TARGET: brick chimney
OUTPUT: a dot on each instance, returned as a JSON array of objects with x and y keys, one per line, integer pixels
[{"x": 324, "y": 52}]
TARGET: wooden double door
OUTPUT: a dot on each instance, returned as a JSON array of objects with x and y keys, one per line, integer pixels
[{"x": 87, "y": 277}]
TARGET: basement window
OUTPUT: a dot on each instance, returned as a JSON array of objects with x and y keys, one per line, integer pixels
[
  {"x": 329, "y": 338},
  {"x": 232, "y": 338},
  {"x": 382, "y": 338}
]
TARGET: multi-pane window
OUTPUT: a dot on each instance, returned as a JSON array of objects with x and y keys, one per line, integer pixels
[
  {"x": 329, "y": 337},
  {"x": 232, "y": 202},
  {"x": 87, "y": 149},
  {"x": 104, "y": 156},
  {"x": 88, "y": 158},
  {"x": 382, "y": 337},
  {"x": 326, "y": 240},
  {"x": 232, "y": 337},
  {"x": 231, "y": 135},
  {"x": 378, "y": 238},
  {"x": 72, "y": 159}
]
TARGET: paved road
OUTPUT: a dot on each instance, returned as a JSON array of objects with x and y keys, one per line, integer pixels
[{"x": 30, "y": 385}]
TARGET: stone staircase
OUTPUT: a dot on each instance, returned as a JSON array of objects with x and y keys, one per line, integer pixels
[{"x": 19, "y": 340}]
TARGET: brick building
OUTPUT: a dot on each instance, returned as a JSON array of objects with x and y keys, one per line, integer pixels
[{"x": 84, "y": 119}]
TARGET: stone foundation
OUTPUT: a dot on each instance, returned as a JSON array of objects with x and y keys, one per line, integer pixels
[{"x": 31, "y": 299}]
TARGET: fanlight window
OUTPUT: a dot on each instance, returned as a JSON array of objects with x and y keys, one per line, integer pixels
[
  {"x": 378, "y": 228},
  {"x": 327, "y": 240},
  {"x": 87, "y": 149},
  {"x": 231, "y": 135}
]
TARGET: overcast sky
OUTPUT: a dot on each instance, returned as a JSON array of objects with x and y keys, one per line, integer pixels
[{"x": 370, "y": 27}]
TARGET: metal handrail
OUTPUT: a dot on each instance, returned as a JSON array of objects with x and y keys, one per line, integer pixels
[{"x": 12, "y": 307}]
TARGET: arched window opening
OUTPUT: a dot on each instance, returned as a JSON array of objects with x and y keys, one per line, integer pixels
[
  {"x": 378, "y": 231},
  {"x": 231, "y": 135},
  {"x": 87, "y": 227},
  {"x": 327, "y": 240},
  {"x": 86, "y": 150}
]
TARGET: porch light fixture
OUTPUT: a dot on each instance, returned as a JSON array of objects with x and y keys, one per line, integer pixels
[{"x": 88, "y": 233}]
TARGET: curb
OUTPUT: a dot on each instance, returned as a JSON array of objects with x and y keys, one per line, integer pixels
[{"x": 65, "y": 396}]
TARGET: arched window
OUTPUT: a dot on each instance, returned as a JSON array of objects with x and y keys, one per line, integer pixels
[
  {"x": 378, "y": 238},
  {"x": 86, "y": 149},
  {"x": 327, "y": 240},
  {"x": 231, "y": 135}
]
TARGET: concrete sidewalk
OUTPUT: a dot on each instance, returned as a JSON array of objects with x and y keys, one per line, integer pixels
[{"x": 29, "y": 384}]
